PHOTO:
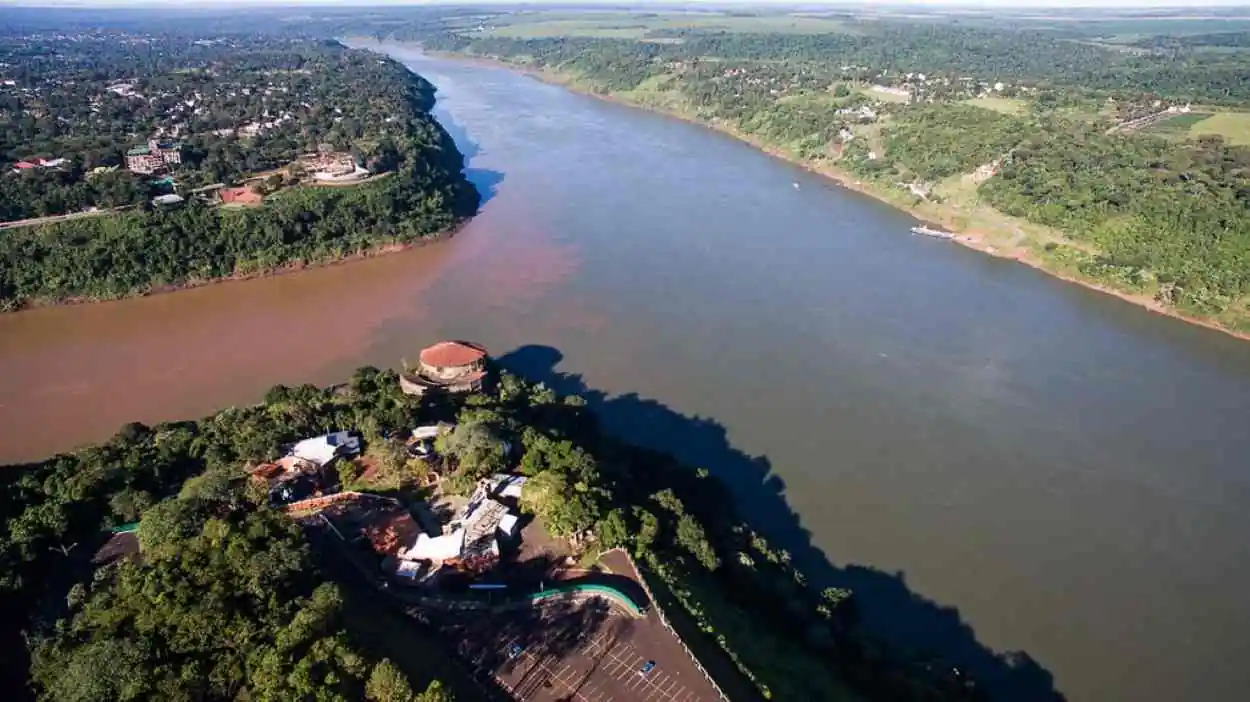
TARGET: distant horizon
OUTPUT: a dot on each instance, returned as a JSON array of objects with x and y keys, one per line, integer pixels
[{"x": 1180, "y": 5}]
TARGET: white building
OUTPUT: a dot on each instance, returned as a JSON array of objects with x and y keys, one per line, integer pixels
[
  {"x": 436, "y": 549},
  {"x": 323, "y": 449}
]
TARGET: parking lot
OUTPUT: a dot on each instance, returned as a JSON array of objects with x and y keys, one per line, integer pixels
[{"x": 580, "y": 653}]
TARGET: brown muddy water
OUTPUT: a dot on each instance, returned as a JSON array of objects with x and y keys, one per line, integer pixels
[{"x": 995, "y": 460}]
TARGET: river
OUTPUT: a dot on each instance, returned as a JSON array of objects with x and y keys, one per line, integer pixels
[{"x": 994, "y": 459}]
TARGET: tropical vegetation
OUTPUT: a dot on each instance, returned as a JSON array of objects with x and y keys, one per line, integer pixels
[{"x": 230, "y": 597}]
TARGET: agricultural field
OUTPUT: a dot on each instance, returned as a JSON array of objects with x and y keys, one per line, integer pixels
[
  {"x": 1233, "y": 126},
  {"x": 625, "y": 25},
  {"x": 1178, "y": 127}
]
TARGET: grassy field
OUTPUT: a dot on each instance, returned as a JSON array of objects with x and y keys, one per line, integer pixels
[
  {"x": 1177, "y": 127},
  {"x": 1007, "y": 106},
  {"x": 626, "y": 25},
  {"x": 1233, "y": 126},
  {"x": 884, "y": 97}
]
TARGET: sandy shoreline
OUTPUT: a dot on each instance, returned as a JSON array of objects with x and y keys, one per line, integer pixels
[{"x": 964, "y": 237}]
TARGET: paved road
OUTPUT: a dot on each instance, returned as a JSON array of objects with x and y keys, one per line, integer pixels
[{"x": 55, "y": 218}]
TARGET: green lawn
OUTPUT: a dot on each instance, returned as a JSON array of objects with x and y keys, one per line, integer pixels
[
  {"x": 1233, "y": 126},
  {"x": 1006, "y": 106}
]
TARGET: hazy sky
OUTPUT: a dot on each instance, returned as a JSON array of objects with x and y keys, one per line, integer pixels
[{"x": 962, "y": 3}]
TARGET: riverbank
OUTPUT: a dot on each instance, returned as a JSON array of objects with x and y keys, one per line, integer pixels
[
  {"x": 685, "y": 583},
  {"x": 268, "y": 272},
  {"x": 976, "y": 226}
]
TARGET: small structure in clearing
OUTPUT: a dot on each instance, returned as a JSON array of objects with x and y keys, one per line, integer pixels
[{"x": 301, "y": 473}]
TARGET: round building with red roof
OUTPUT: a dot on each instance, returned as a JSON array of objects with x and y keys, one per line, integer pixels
[{"x": 448, "y": 366}]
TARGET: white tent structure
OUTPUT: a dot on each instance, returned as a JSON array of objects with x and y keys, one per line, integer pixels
[{"x": 436, "y": 549}]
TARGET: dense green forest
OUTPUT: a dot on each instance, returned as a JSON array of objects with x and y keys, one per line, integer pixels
[
  {"x": 219, "y": 568},
  {"x": 226, "y": 602},
  {"x": 360, "y": 102}
]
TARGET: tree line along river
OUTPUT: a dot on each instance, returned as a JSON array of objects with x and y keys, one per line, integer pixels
[{"x": 994, "y": 460}]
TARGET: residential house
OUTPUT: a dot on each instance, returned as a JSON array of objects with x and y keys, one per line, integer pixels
[
  {"x": 153, "y": 156},
  {"x": 321, "y": 450}
]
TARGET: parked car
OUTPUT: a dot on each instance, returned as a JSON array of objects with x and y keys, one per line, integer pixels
[
  {"x": 514, "y": 650},
  {"x": 647, "y": 667}
]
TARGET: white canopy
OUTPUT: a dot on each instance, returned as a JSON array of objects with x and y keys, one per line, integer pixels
[{"x": 437, "y": 549}]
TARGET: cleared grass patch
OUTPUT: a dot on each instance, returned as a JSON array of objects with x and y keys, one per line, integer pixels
[
  {"x": 1178, "y": 126},
  {"x": 884, "y": 97},
  {"x": 570, "y": 28},
  {"x": 1002, "y": 105},
  {"x": 781, "y": 24},
  {"x": 1233, "y": 126}
]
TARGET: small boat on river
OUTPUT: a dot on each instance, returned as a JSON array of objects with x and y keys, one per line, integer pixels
[{"x": 936, "y": 233}]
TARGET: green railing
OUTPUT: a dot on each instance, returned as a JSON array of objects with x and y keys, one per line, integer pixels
[{"x": 587, "y": 589}]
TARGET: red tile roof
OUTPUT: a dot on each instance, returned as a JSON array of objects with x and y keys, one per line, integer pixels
[
  {"x": 393, "y": 531},
  {"x": 243, "y": 195},
  {"x": 452, "y": 354},
  {"x": 23, "y": 165}
]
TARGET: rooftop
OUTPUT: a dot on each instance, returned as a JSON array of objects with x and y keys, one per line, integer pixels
[
  {"x": 394, "y": 531},
  {"x": 437, "y": 549},
  {"x": 450, "y": 354},
  {"x": 320, "y": 450}
]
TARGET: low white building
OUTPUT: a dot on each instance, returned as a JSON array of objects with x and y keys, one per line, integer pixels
[
  {"x": 341, "y": 177},
  {"x": 436, "y": 549},
  {"x": 323, "y": 449}
]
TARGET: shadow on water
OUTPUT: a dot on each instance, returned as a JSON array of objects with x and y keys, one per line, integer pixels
[
  {"x": 889, "y": 608},
  {"x": 485, "y": 180}
]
